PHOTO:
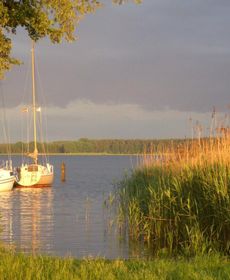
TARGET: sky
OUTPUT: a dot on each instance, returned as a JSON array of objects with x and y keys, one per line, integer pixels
[{"x": 136, "y": 71}]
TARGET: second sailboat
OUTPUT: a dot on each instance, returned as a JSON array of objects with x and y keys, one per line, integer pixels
[{"x": 34, "y": 174}]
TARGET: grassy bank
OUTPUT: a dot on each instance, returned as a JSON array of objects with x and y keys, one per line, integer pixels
[
  {"x": 21, "y": 267},
  {"x": 179, "y": 204}
]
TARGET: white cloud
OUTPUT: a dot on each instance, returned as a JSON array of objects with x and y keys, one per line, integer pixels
[{"x": 83, "y": 118}]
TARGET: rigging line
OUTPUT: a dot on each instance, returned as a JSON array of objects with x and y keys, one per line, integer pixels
[
  {"x": 28, "y": 121},
  {"x": 26, "y": 83},
  {"x": 42, "y": 139},
  {"x": 45, "y": 138},
  {"x": 39, "y": 82},
  {"x": 27, "y": 132},
  {"x": 29, "y": 128},
  {"x": 40, "y": 135},
  {"x": 22, "y": 145},
  {"x": 5, "y": 127},
  {"x": 24, "y": 134},
  {"x": 25, "y": 139}
]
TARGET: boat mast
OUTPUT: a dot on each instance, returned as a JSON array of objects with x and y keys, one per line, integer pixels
[{"x": 35, "y": 153}]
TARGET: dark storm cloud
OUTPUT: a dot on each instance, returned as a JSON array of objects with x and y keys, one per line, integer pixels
[{"x": 161, "y": 54}]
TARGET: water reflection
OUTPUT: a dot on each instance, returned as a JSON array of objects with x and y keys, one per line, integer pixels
[
  {"x": 6, "y": 212},
  {"x": 27, "y": 219},
  {"x": 69, "y": 218}
]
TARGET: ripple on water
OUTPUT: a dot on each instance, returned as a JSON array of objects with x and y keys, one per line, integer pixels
[{"x": 68, "y": 218}]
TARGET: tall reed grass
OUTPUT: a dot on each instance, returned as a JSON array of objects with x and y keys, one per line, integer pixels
[{"x": 178, "y": 200}]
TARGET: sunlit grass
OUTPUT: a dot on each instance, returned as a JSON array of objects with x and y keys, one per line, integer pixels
[{"x": 23, "y": 267}]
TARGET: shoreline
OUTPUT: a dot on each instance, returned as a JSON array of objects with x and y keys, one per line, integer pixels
[{"x": 75, "y": 154}]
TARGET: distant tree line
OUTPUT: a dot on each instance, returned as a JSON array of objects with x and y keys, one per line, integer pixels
[{"x": 84, "y": 145}]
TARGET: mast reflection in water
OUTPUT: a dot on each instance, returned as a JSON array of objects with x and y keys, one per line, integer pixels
[
  {"x": 27, "y": 219},
  {"x": 68, "y": 218}
]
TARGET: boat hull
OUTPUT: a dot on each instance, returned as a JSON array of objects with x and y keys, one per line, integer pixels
[
  {"x": 35, "y": 176},
  {"x": 46, "y": 180},
  {"x": 7, "y": 184}
]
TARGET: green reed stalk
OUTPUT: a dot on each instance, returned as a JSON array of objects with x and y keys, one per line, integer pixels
[{"x": 181, "y": 204}]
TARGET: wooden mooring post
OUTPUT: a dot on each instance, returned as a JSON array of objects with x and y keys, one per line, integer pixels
[{"x": 63, "y": 179}]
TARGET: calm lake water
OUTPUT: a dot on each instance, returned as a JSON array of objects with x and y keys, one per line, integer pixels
[{"x": 68, "y": 218}]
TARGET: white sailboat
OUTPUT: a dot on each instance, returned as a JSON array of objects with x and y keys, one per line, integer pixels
[
  {"x": 34, "y": 174},
  {"x": 7, "y": 177}
]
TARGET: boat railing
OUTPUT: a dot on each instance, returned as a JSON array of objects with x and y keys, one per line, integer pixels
[{"x": 7, "y": 165}]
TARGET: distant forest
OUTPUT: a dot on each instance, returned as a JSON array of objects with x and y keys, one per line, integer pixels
[{"x": 84, "y": 145}]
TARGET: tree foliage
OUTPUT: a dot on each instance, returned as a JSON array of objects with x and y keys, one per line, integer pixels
[
  {"x": 56, "y": 19},
  {"x": 108, "y": 146}
]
